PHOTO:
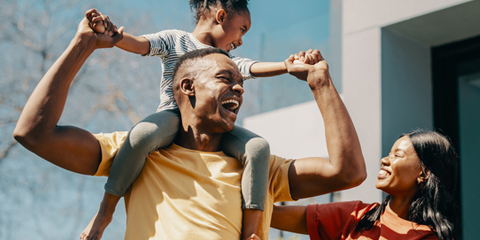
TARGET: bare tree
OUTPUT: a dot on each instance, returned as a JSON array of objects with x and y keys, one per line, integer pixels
[{"x": 40, "y": 200}]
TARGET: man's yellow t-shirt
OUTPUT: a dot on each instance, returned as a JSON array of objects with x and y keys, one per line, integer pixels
[{"x": 188, "y": 194}]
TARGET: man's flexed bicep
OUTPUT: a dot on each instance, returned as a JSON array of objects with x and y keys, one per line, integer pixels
[
  {"x": 310, "y": 177},
  {"x": 68, "y": 147},
  {"x": 71, "y": 148}
]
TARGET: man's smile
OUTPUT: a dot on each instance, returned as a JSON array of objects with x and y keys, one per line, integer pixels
[{"x": 230, "y": 104}]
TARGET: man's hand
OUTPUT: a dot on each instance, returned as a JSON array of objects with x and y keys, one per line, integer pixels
[
  {"x": 309, "y": 57},
  {"x": 316, "y": 75},
  {"x": 99, "y": 40}
]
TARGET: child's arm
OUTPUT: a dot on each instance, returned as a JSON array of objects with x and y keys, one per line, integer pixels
[
  {"x": 134, "y": 44},
  {"x": 101, "y": 23},
  {"x": 270, "y": 69}
]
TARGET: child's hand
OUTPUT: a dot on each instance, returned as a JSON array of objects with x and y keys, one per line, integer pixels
[
  {"x": 100, "y": 23},
  {"x": 100, "y": 40},
  {"x": 309, "y": 57},
  {"x": 95, "y": 20},
  {"x": 301, "y": 63}
]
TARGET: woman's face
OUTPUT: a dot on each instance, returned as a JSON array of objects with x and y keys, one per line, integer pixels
[{"x": 401, "y": 170}]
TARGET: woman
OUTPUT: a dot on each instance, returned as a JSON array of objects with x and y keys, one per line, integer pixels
[{"x": 419, "y": 175}]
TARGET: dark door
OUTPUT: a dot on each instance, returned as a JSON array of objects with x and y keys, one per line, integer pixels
[{"x": 456, "y": 93}]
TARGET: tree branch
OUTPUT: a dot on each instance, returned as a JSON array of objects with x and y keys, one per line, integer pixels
[{"x": 5, "y": 152}]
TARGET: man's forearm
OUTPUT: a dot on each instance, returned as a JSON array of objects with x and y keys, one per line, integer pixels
[
  {"x": 342, "y": 141},
  {"x": 290, "y": 218},
  {"x": 268, "y": 69},
  {"x": 346, "y": 167},
  {"x": 45, "y": 106},
  {"x": 68, "y": 147}
]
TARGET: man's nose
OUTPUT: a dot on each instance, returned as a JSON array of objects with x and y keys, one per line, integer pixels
[{"x": 238, "y": 88}]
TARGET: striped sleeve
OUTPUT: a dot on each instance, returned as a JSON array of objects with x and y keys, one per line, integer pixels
[
  {"x": 244, "y": 64},
  {"x": 161, "y": 42}
]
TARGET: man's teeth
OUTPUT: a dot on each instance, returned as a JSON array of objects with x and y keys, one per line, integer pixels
[
  {"x": 232, "y": 46},
  {"x": 230, "y": 104}
]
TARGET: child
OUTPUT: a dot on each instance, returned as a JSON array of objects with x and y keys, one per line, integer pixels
[{"x": 219, "y": 24}]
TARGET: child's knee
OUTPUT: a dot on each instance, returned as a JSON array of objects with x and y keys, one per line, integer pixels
[
  {"x": 143, "y": 134},
  {"x": 258, "y": 146}
]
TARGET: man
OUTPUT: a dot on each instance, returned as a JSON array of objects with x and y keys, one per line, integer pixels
[{"x": 191, "y": 190}]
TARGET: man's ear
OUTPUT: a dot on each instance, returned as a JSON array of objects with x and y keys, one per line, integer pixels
[
  {"x": 186, "y": 87},
  {"x": 221, "y": 16}
]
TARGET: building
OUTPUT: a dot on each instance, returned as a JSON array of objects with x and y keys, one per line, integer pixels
[{"x": 404, "y": 65}]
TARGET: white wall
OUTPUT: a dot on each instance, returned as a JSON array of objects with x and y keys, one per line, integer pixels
[
  {"x": 362, "y": 94},
  {"x": 293, "y": 132},
  {"x": 407, "y": 97},
  {"x": 361, "y": 15}
]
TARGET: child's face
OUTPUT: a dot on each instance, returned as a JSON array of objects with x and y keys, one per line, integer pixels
[{"x": 234, "y": 27}]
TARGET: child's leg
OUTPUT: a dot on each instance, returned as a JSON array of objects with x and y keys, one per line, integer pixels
[
  {"x": 156, "y": 131},
  {"x": 254, "y": 153}
]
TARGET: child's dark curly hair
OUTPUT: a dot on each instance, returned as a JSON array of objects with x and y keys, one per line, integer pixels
[{"x": 202, "y": 7}]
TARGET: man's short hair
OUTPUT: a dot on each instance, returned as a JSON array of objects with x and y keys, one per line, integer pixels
[
  {"x": 197, "y": 54},
  {"x": 189, "y": 58}
]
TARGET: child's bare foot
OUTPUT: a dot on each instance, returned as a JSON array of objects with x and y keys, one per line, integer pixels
[{"x": 97, "y": 225}]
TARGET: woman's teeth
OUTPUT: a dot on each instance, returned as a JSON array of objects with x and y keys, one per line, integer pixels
[{"x": 383, "y": 173}]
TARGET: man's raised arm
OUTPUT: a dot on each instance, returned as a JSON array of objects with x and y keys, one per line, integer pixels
[
  {"x": 346, "y": 167},
  {"x": 69, "y": 147}
]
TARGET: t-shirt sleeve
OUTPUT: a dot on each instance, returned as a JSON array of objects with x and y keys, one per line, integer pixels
[
  {"x": 109, "y": 144},
  {"x": 332, "y": 220},
  {"x": 244, "y": 64},
  {"x": 278, "y": 190},
  {"x": 160, "y": 42},
  {"x": 279, "y": 187}
]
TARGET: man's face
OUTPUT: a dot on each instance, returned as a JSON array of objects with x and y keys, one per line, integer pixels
[{"x": 218, "y": 93}]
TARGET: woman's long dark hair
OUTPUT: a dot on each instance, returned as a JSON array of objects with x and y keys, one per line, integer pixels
[{"x": 433, "y": 204}]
